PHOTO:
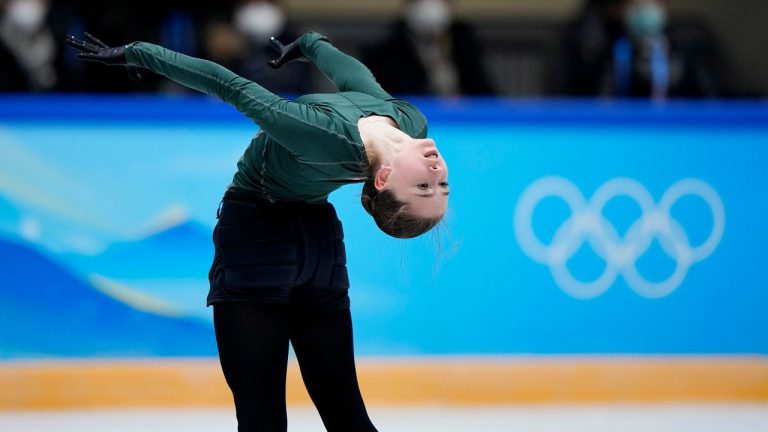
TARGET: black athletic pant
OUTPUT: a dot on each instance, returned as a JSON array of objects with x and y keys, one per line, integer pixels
[{"x": 253, "y": 348}]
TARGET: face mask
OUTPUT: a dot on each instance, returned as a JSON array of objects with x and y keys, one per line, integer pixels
[
  {"x": 645, "y": 20},
  {"x": 428, "y": 17},
  {"x": 259, "y": 20},
  {"x": 26, "y": 15}
]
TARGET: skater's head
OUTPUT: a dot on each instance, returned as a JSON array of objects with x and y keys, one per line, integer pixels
[{"x": 407, "y": 195}]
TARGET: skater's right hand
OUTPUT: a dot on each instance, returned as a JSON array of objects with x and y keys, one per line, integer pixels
[{"x": 95, "y": 50}]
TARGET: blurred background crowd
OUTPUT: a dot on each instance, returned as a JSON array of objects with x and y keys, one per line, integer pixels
[{"x": 655, "y": 49}]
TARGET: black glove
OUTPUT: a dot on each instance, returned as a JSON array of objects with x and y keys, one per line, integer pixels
[
  {"x": 287, "y": 53},
  {"x": 98, "y": 51}
]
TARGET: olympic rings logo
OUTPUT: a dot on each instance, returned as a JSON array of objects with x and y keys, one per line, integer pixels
[{"x": 620, "y": 253}]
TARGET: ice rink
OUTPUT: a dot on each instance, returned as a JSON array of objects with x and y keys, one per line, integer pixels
[{"x": 535, "y": 418}]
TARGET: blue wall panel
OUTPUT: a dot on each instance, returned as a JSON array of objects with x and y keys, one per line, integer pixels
[{"x": 106, "y": 208}]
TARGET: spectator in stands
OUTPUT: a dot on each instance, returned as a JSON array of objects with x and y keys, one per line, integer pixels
[
  {"x": 628, "y": 48},
  {"x": 440, "y": 53},
  {"x": 27, "y": 47},
  {"x": 242, "y": 45}
]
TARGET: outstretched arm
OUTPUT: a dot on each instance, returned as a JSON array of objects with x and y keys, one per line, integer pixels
[
  {"x": 248, "y": 97},
  {"x": 346, "y": 72},
  {"x": 293, "y": 125}
]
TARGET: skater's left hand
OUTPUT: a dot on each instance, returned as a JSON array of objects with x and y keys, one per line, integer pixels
[{"x": 287, "y": 53}]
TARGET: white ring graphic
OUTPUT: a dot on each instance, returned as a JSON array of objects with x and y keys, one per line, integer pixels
[{"x": 620, "y": 253}]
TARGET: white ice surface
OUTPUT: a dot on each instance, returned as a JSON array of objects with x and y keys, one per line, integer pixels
[{"x": 537, "y": 418}]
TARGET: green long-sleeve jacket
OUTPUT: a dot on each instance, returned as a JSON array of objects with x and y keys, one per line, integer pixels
[{"x": 308, "y": 147}]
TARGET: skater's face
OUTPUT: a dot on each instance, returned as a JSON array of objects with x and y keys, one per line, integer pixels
[{"x": 418, "y": 176}]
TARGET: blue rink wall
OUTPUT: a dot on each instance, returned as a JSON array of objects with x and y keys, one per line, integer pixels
[{"x": 574, "y": 228}]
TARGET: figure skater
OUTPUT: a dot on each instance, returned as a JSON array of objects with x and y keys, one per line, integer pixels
[{"x": 279, "y": 270}]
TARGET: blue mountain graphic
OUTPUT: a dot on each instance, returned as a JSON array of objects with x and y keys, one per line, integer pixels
[
  {"x": 182, "y": 251},
  {"x": 47, "y": 311}
]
